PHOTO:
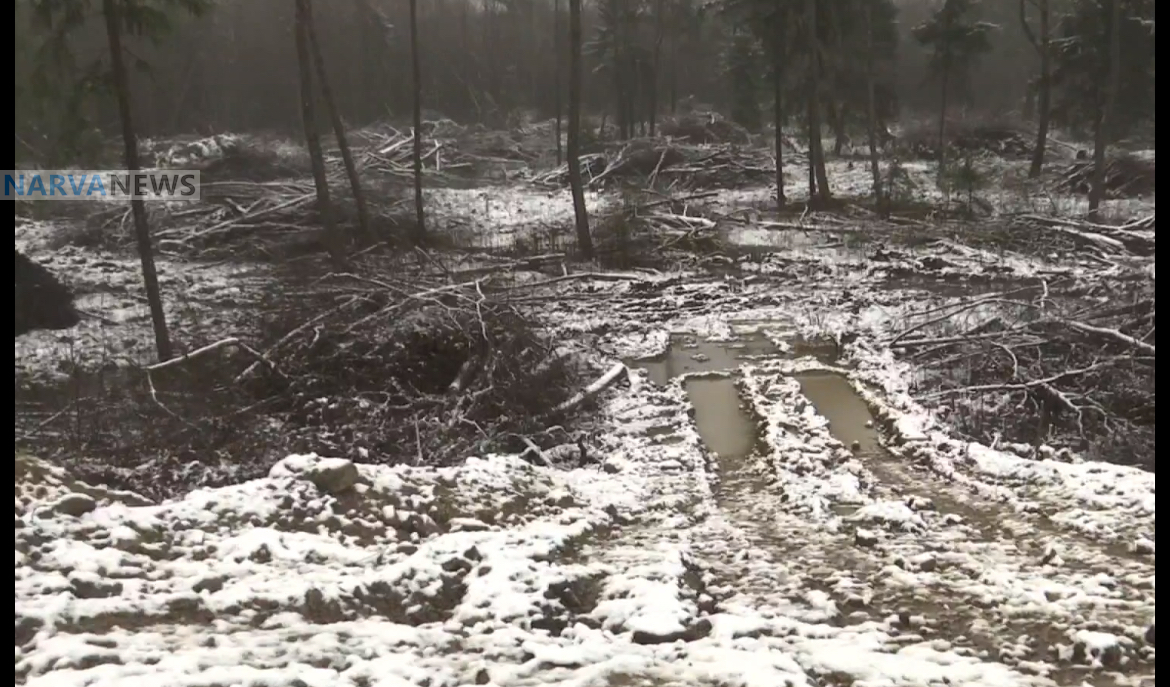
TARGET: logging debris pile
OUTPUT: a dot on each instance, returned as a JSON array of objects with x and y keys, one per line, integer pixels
[
  {"x": 1007, "y": 141},
  {"x": 260, "y": 220},
  {"x": 268, "y": 209},
  {"x": 672, "y": 165},
  {"x": 379, "y": 149},
  {"x": 656, "y": 234},
  {"x": 1064, "y": 363},
  {"x": 1126, "y": 176},
  {"x": 421, "y": 368},
  {"x": 704, "y": 127},
  {"x": 1048, "y": 236},
  {"x": 258, "y": 199},
  {"x": 457, "y": 150}
]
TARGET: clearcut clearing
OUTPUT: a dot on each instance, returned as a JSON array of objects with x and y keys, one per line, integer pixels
[
  {"x": 769, "y": 503},
  {"x": 916, "y": 559}
]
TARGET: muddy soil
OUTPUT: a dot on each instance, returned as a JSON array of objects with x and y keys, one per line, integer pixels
[{"x": 930, "y": 579}]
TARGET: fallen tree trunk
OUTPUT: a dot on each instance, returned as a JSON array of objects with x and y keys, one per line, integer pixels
[{"x": 603, "y": 382}]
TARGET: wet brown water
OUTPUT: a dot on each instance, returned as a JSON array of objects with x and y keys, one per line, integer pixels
[
  {"x": 850, "y": 421},
  {"x": 720, "y": 419},
  {"x": 688, "y": 355},
  {"x": 726, "y": 429}
]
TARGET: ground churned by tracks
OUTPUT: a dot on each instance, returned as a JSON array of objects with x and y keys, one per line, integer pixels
[{"x": 764, "y": 512}]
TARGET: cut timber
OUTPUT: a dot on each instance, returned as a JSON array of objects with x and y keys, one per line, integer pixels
[{"x": 602, "y": 383}]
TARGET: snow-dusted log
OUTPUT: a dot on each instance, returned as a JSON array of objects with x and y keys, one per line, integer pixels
[{"x": 603, "y": 382}]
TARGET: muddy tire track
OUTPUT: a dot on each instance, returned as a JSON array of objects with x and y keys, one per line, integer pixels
[
  {"x": 760, "y": 557},
  {"x": 750, "y": 557},
  {"x": 978, "y": 575},
  {"x": 948, "y": 565},
  {"x": 954, "y": 564}
]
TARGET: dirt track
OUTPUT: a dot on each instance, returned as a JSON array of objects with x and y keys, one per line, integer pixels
[{"x": 766, "y": 509}]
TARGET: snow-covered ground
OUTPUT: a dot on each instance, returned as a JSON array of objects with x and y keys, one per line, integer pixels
[
  {"x": 756, "y": 517},
  {"x": 929, "y": 561},
  {"x": 111, "y": 297},
  {"x": 497, "y": 217}
]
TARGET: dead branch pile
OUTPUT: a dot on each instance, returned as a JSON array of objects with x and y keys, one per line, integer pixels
[
  {"x": 414, "y": 373},
  {"x": 245, "y": 218},
  {"x": 1007, "y": 141},
  {"x": 704, "y": 127},
  {"x": 656, "y": 233},
  {"x": 1064, "y": 237},
  {"x": 1126, "y": 176},
  {"x": 1135, "y": 238},
  {"x": 258, "y": 195},
  {"x": 674, "y": 165},
  {"x": 454, "y": 149},
  {"x": 389, "y": 150},
  {"x": 184, "y": 151},
  {"x": 260, "y": 220},
  {"x": 1058, "y": 364},
  {"x": 419, "y": 367},
  {"x": 381, "y": 149}
]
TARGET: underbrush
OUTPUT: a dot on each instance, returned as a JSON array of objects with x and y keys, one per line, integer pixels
[
  {"x": 1063, "y": 364},
  {"x": 1007, "y": 138},
  {"x": 376, "y": 368},
  {"x": 630, "y": 238}
]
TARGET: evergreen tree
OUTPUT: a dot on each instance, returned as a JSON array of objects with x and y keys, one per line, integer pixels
[{"x": 955, "y": 41}]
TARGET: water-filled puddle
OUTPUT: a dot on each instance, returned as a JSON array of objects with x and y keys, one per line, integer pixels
[
  {"x": 688, "y": 355},
  {"x": 850, "y": 421},
  {"x": 721, "y": 421},
  {"x": 725, "y": 428}
]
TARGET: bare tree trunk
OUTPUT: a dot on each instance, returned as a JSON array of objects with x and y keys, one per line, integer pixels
[
  {"x": 945, "y": 79},
  {"x": 637, "y": 96},
  {"x": 355, "y": 182},
  {"x": 645, "y": 95},
  {"x": 1105, "y": 113},
  {"x": 420, "y": 230},
  {"x": 816, "y": 148},
  {"x": 333, "y": 239},
  {"x": 837, "y": 115},
  {"x": 674, "y": 39},
  {"x": 619, "y": 95},
  {"x": 636, "y": 89},
  {"x": 1045, "y": 114},
  {"x": 584, "y": 238},
  {"x": 558, "y": 50},
  {"x": 111, "y": 12},
  {"x": 871, "y": 113},
  {"x": 1042, "y": 45},
  {"x": 656, "y": 64},
  {"x": 838, "y": 109},
  {"x": 812, "y": 156},
  {"x": 535, "y": 63},
  {"x": 778, "y": 105}
]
